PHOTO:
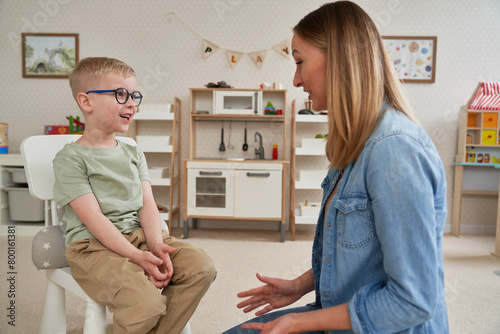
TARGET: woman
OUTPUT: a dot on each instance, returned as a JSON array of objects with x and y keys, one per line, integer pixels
[{"x": 377, "y": 254}]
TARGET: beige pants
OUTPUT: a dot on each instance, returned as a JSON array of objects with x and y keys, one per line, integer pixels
[{"x": 137, "y": 305}]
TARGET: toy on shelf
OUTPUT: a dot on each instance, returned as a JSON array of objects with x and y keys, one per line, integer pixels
[
  {"x": 269, "y": 110},
  {"x": 220, "y": 84},
  {"x": 75, "y": 126}
]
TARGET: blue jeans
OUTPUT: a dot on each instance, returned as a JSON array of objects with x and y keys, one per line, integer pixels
[{"x": 272, "y": 316}]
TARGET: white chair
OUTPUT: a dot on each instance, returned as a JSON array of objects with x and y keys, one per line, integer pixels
[{"x": 38, "y": 153}]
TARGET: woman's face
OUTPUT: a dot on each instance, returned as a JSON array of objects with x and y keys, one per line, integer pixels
[{"x": 311, "y": 71}]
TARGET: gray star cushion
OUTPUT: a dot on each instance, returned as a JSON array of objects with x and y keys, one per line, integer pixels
[{"x": 48, "y": 246}]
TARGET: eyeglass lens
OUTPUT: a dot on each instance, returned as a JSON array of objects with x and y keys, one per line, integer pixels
[{"x": 122, "y": 96}]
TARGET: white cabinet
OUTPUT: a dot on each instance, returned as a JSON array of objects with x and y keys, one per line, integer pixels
[
  {"x": 157, "y": 133},
  {"x": 239, "y": 190},
  {"x": 257, "y": 193},
  {"x": 308, "y": 168},
  {"x": 210, "y": 192}
]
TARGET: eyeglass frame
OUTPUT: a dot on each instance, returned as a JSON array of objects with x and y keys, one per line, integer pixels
[{"x": 100, "y": 91}]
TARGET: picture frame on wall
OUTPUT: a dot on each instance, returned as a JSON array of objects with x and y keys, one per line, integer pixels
[
  {"x": 49, "y": 55},
  {"x": 413, "y": 57}
]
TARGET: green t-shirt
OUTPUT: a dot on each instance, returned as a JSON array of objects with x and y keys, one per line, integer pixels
[{"x": 114, "y": 175}]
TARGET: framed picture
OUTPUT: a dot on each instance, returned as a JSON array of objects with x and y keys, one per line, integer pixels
[
  {"x": 49, "y": 55},
  {"x": 413, "y": 57}
]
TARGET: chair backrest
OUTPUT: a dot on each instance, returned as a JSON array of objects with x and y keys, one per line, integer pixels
[{"x": 38, "y": 152}]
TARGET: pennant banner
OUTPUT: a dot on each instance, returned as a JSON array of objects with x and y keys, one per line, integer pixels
[
  {"x": 258, "y": 58},
  {"x": 234, "y": 57},
  {"x": 284, "y": 48},
  {"x": 209, "y": 49}
]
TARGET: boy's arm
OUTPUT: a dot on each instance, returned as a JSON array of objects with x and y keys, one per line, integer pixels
[
  {"x": 88, "y": 210},
  {"x": 149, "y": 218}
]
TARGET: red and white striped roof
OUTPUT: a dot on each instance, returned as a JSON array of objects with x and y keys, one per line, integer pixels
[{"x": 487, "y": 97}]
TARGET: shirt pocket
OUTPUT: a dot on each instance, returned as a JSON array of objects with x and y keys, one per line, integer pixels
[{"x": 355, "y": 224}]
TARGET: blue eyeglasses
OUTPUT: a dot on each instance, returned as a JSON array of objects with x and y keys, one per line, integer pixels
[{"x": 121, "y": 95}]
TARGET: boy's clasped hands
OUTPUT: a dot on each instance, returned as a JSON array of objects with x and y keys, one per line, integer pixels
[{"x": 157, "y": 264}]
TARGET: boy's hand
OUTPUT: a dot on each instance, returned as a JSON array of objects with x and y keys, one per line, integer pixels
[
  {"x": 153, "y": 267},
  {"x": 163, "y": 252}
]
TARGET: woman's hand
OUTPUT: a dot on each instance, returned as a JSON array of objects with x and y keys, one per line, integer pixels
[
  {"x": 275, "y": 294},
  {"x": 282, "y": 325}
]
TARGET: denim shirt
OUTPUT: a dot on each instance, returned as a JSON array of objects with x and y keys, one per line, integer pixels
[{"x": 380, "y": 247}]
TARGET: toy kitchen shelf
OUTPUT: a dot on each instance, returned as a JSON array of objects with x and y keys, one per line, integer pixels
[
  {"x": 235, "y": 185},
  {"x": 162, "y": 146},
  {"x": 22, "y": 211},
  {"x": 478, "y": 148},
  {"x": 306, "y": 156},
  {"x": 204, "y": 108}
]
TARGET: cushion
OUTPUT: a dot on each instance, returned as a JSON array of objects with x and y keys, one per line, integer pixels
[{"x": 48, "y": 248}]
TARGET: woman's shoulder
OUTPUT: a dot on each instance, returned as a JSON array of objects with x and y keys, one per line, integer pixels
[
  {"x": 398, "y": 135},
  {"x": 395, "y": 123}
]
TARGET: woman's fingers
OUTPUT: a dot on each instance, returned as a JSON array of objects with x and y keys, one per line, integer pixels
[
  {"x": 254, "y": 306},
  {"x": 250, "y": 301}
]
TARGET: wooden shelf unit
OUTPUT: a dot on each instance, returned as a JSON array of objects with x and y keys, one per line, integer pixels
[
  {"x": 23, "y": 228},
  {"x": 173, "y": 182},
  {"x": 302, "y": 153},
  {"x": 202, "y": 100},
  {"x": 482, "y": 127}
]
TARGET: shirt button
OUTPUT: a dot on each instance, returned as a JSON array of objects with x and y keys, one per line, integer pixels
[
  {"x": 326, "y": 295},
  {"x": 328, "y": 260},
  {"x": 329, "y": 224}
]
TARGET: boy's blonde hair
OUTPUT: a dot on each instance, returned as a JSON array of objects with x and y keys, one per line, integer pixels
[
  {"x": 89, "y": 71},
  {"x": 360, "y": 76}
]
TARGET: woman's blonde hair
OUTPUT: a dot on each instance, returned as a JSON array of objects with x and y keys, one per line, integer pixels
[
  {"x": 89, "y": 71},
  {"x": 360, "y": 76}
]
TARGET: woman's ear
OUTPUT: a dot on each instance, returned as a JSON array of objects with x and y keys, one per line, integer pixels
[{"x": 84, "y": 102}]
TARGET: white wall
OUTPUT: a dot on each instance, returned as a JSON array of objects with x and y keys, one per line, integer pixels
[{"x": 167, "y": 57}]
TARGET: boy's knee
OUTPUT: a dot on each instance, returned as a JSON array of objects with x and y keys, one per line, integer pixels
[
  {"x": 143, "y": 313},
  {"x": 202, "y": 263},
  {"x": 194, "y": 264}
]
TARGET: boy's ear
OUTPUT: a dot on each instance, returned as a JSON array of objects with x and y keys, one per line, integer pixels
[{"x": 84, "y": 102}]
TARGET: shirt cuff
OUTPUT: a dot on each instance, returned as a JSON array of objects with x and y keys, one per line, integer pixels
[
  {"x": 357, "y": 308},
  {"x": 355, "y": 321}
]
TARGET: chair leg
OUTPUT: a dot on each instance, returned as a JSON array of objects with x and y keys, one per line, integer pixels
[
  {"x": 95, "y": 319},
  {"x": 53, "y": 318}
]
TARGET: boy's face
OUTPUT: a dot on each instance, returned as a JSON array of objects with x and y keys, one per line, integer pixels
[{"x": 109, "y": 115}]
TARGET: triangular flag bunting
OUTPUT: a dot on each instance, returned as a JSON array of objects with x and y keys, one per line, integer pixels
[
  {"x": 234, "y": 58},
  {"x": 209, "y": 49},
  {"x": 284, "y": 48},
  {"x": 258, "y": 57}
]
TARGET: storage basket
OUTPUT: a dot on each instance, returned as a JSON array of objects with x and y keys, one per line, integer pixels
[{"x": 22, "y": 206}]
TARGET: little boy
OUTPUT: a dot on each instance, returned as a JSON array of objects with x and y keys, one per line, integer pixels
[{"x": 116, "y": 249}]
